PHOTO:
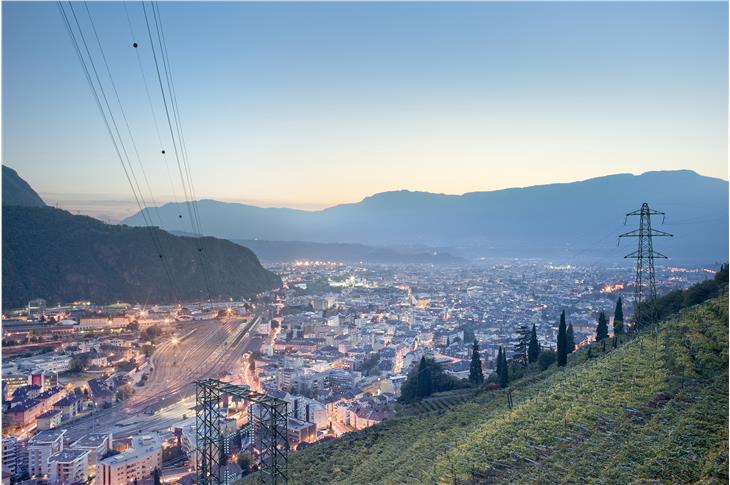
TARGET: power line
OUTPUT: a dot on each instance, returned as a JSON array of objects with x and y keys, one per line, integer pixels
[
  {"x": 151, "y": 104},
  {"x": 117, "y": 141},
  {"x": 124, "y": 116},
  {"x": 183, "y": 168}
]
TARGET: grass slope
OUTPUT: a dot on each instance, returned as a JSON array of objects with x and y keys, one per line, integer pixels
[{"x": 654, "y": 410}]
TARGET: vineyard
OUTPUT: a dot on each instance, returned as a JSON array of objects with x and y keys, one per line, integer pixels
[{"x": 654, "y": 409}]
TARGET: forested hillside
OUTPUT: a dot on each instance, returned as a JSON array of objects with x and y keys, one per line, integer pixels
[
  {"x": 654, "y": 409},
  {"x": 52, "y": 254}
]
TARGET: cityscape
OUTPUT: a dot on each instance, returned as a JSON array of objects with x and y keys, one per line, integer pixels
[
  {"x": 108, "y": 390},
  {"x": 364, "y": 243}
]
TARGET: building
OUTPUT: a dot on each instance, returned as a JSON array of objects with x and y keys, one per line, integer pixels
[
  {"x": 10, "y": 455},
  {"x": 36, "y": 308},
  {"x": 49, "y": 420},
  {"x": 41, "y": 447},
  {"x": 70, "y": 406},
  {"x": 136, "y": 463},
  {"x": 97, "y": 444},
  {"x": 300, "y": 432},
  {"x": 68, "y": 466},
  {"x": 12, "y": 381},
  {"x": 23, "y": 413}
]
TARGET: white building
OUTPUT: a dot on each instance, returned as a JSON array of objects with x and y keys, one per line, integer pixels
[
  {"x": 10, "y": 454},
  {"x": 68, "y": 466},
  {"x": 97, "y": 444},
  {"x": 41, "y": 447},
  {"x": 136, "y": 463}
]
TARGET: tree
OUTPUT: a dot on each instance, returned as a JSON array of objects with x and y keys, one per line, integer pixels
[
  {"x": 425, "y": 382},
  {"x": 533, "y": 349},
  {"x": 546, "y": 359},
  {"x": 476, "y": 374},
  {"x": 618, "y": 318},
  {"x": 504, "y": 376},
  {"x": 602, "y": 328},
  {"x": 156, "y": 476},
  {"x": 244, "y": 461},
  {"x": 499, "y": 362},
  {"x": 79, "y": 363},
  {"x": 523, "y": 342},
  {"x": 570, "y": 339},
  {"x": 124, "y": 392},
  {"x": 426, "y": 378},
  {"x": 562, "y": 342},
  {"x": 448, "y": 341}
]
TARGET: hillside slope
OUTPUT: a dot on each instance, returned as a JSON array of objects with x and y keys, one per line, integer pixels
[
  {"x": 52, "y": 254},
  {"x": 654, "y": 409},
  {"x": 16, "y": 191},
  {"x": 567, "y": 219}
]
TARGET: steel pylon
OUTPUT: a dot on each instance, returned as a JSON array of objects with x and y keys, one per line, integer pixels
[{"x": 645, "y": 280}]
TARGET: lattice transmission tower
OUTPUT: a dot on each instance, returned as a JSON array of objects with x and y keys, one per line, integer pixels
[
  {"x": 645, "y": 281},
  {"x": 267, "y": 427}
]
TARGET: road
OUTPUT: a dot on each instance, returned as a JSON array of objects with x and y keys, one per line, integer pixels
[{"x": 204, "y": 349}]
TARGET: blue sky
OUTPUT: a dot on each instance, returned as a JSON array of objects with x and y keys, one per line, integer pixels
[{"x": 308, "y": 105}]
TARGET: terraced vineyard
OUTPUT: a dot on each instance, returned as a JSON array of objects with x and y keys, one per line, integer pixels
[{"x": 654, "y": 409}]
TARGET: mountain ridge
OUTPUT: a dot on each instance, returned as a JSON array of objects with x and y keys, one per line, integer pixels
[
  {"x": 17, "y": 191},
  {"x": 529, "y": 221},
  {"x": 52, "y": 254}
]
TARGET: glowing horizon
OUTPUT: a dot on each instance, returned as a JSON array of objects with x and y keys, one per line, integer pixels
[{"x": 313, "y": 105}]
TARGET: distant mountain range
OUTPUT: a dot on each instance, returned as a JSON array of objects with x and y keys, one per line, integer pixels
[
  {"x": 49, "y": 253},
  {"x": 579, "y": 219}
]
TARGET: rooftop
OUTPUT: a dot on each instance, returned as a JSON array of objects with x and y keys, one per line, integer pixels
[
  {"x": 67, "y": 456},
  {"x": 93, "y": 440},
  {"x": 46, "y": 437}
]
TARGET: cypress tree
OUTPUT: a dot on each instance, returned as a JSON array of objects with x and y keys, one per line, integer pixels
[
  {"x": 570, "y": 339},
  {"x": 424, "y": 379},
  {"x": 521, "y": 348},
  {"x": 602, "y": 328},
  {"x": 156, "y": 477},
  {"x": 618, "y": 318},
  {"x": 562, "y": 342},
  {"x": 504, "y": 376},
  {"x": 499, "y": 362},
  {"x": 533, "y": 350},
  {"x": 476, "y": 375}
]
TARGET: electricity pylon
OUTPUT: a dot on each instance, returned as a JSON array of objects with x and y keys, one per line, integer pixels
[
  {"x": 645, "y": 283},
  {"x": 268, "y": 426}
]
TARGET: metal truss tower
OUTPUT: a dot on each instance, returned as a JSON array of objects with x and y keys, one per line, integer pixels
[
  {"x": 645, "y": 283},
  {"x": 268, "y": 426}
]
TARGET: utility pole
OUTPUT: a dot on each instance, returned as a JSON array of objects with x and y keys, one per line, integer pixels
[{"x": 645, "y": 282}]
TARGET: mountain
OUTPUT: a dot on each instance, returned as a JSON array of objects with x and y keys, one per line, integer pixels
[
  {"x": 49, "y": 253},
  {"x": 653, "y": 410},
  {"x": 16, "y": 191},
  {"x": 567, "y": 219}
]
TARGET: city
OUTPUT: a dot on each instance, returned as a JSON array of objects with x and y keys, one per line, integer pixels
[
  {"x": 108, "y": 391},
  {"x": 364, "y": 243}
]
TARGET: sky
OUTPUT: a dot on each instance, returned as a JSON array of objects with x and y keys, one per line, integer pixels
[{"x": 309, "y": 105}]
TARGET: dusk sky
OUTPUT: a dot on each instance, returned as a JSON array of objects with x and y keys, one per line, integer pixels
[{"x": 310, "y": 105}]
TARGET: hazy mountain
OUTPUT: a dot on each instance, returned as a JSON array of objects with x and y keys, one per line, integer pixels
[
  {"x": 16, "y": 191},
  {"x": 567, "y": 219},
  {"x": 52, "y": 254}
]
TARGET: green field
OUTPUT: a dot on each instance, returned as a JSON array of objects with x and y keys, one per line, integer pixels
[{"x": 653, "y": 410}]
